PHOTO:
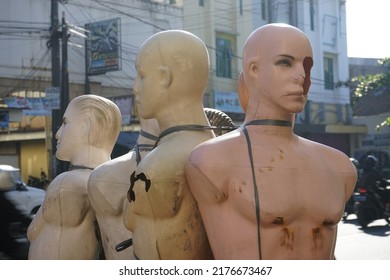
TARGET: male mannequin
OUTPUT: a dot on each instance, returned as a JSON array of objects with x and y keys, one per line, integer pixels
[
  {"x": 264, "y": 192},
  {"x": 64, "y": 227},
  {"x": 163, "y": 216},
  {"x": 107, "y": 188}
]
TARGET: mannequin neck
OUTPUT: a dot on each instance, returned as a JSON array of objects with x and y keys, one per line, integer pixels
[{"x": 91, "y": 157}]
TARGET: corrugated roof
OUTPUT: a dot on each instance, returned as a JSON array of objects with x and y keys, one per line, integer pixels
[{"x": 374, "y": 103}]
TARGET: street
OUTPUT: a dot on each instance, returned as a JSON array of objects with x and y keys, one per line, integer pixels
[{"x": 354, "y": 243}]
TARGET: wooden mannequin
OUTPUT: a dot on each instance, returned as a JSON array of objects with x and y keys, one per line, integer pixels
[
  {"x": 64, "y": 227},
  {"x": 107, "y": 189},
  {"x": 264, "y": 192},
  {"x": 162, "y": 214}
]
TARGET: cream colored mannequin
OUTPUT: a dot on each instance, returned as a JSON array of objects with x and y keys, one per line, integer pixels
[
  {"x": 64, "y": 227},
  {"x": 302, "y": 186},
  {"x": 172, "y": 75},
  {"x": 107, "y": 189}
]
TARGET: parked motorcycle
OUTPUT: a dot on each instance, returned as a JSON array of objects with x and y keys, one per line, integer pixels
[
  {"x": 370, "y": 205},
  {"x": 373, "y": 196},
  {"x": 350, "y": 206}
]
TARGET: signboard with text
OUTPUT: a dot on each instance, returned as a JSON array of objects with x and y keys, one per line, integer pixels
[
  {"x": 52, "y": 98},
  {"x": 227, "y": 102},
  {"x": 124, "y": 104},
  {"x": 103, "y": 46}
]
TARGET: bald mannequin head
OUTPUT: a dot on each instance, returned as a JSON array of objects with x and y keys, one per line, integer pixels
[
  {"x": 90, "y": 121},
  {"x": 171, "y": 65},
  {"x": 277, "y": 60}
]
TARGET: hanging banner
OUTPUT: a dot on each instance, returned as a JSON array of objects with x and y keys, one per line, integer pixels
[
  {"x": 17, "y": 102},
  {"x": 4, "y": 119},
  {"x": 227, "y": 102},
  {"x": 52, "y": 98},
  {"x": 37, "y": 108},
  {"x": 125, "y": 105},
  {"x": 103, "y": 46}
]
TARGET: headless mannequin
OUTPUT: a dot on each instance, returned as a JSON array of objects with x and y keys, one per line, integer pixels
[
  {"x": 107, "y": 189},
  {"x": 264, "y": 192},
  {"x": 64, "y": 227},
  {"x": 162, "y": 214}
]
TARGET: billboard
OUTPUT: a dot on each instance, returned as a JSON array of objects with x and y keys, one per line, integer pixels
[
  {"x": 103, "y": 46},
  {"x": 30, "y": 106},
  {"x": 227, "y": 102},
  {"x": 52, "y": 98},
  {"x": 125, "y": 105}
]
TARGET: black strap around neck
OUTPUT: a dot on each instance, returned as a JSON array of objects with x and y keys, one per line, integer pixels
[
  {"x": 255, "y": 188},
  {"x": 74, "y": 167},
  {"x": 143, "y": 147},
  {"x": 148, "y": 135},
  {"x": 269, "y": 122},
  {"x": 138, "y": 148},
  {"x": 186, "y": 127}
]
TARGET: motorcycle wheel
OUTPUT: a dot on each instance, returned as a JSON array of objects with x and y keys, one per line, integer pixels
[{"x": 361, "y": 214}]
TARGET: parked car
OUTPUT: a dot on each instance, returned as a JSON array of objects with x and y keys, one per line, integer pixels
[
  {"x": 25, "y": 198},
  {"x": 18, "y": 205}
]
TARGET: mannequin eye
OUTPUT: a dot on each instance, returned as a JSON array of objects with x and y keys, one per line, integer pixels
[{"x": 284, "y": 62}]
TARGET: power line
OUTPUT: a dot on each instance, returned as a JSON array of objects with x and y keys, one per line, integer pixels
[{"x": 41, "y": 63}]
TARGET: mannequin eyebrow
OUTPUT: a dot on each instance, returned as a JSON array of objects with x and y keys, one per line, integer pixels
[{"x": 286, "y": 56}]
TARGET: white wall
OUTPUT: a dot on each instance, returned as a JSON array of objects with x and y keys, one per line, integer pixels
[{"x": 329, "y": 36}]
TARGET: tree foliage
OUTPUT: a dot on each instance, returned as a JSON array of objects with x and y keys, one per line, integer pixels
[{"x": 363, "y": 85}]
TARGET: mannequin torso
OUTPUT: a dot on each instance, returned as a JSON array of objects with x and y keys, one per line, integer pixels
[{"x": 273, "y": 194}]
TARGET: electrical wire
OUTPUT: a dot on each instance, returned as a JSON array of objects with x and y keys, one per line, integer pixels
[
  {"x": 14, "y": 31},
  {"x": 41, "y": 63}
]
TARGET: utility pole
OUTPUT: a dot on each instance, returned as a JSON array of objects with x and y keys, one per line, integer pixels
[
  {"x": 55, "y": 82},
  {"x": 65, "y": 70},
  {"x": 87, "y": 87},
  {"x": 60, "y": 80}
]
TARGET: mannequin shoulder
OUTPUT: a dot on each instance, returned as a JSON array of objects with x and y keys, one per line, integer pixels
[
  {"x": 115, "y": 170},
  {"x": 74, "y": 178},
  {"x": 218, "y": 145},
  {"x": 333, "y": 157}
]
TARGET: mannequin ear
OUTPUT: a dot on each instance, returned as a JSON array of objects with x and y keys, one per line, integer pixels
[
  {"x": 165, "y": 76},
  {"x": 243, "y": 95},
  {"x": 252, "y": 68}
]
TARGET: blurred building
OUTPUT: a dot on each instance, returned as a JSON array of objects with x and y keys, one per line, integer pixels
[
  {"x": 224, "y": 27},
  {"x": 26, "y": 63},
  {"x": 26, "y": 38}
]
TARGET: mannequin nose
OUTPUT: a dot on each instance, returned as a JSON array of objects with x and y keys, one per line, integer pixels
[
  {"x": 58, "y": 133},
  {"x": 300, "y": 73}
]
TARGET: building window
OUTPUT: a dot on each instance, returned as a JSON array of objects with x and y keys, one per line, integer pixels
[
  {"x": 312, "y": 15},
  {"x": 241, "y": 8},
  {"x": 201, "y": 2},
  {"x": 293, "y": 12},
  {"x": 264, "y": 10},
  {"x": 224, "y": 57},
  {"x": 329, "y": 73}
]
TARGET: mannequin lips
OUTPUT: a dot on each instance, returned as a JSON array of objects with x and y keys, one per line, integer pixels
[{"x": 297, "y": 93}]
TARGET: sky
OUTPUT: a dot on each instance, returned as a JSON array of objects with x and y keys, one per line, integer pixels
[{"x": 368, "y": 28}]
